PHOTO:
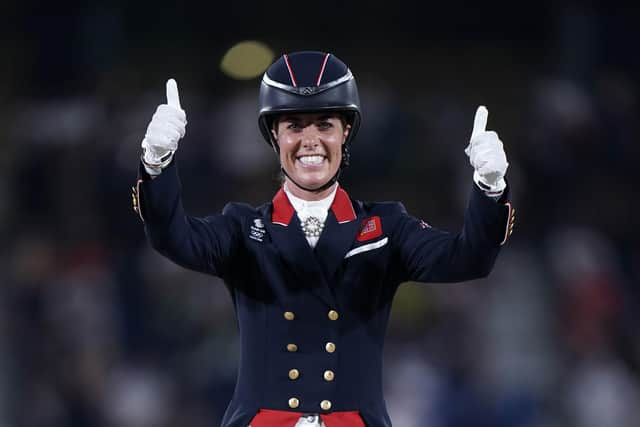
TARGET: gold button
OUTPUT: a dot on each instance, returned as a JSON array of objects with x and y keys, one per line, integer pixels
[
  {"x": 333, "y": 315},
  {"x": 325, "y": 405},
  {"x": 294, "y": 403},
  {"x": 330, "y": 347},
  {"x": 289, "y": 315},
  {"x": 294, "y": 374},
  {"x": 328, "y": 375},
  {"x": 292, "y": 348}
]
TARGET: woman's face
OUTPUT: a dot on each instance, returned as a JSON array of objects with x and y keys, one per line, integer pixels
[{"x": 310, "y": 146}]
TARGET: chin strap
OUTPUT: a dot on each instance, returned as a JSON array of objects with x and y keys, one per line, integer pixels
[{"x": 314, "y": 190}]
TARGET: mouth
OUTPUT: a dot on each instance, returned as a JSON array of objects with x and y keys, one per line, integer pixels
[{"x": 311, "y": 160}]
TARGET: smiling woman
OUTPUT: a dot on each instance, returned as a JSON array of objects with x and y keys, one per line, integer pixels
[
  {"x": 305, "y": 83},
  {"x": 310, "y": 148},
  {"x": 313, "y": 273}
]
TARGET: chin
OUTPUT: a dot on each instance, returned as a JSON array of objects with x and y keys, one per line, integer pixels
[{"x": 313, "y": 183}]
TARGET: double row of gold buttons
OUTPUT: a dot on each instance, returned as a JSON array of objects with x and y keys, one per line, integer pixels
[{"x": 294, "y": 374}]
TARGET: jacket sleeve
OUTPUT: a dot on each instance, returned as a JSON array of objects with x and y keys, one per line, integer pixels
[
  {"x": 202, "y": 244},
  {"x": 431, "y": 255}
]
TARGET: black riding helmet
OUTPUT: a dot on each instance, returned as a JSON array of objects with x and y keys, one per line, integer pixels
[{"x": 307, "y": 82}]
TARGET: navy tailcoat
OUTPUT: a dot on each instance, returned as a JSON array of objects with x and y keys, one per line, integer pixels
[{"x": 312, "y": 321}]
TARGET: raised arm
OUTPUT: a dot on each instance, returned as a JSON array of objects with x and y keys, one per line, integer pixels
[
  {"x": 431, "y": 255},
  {"x": 202, "y": 244}
]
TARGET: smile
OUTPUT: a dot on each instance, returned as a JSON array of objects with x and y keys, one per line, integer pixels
[{"x": 314, "y": 160}]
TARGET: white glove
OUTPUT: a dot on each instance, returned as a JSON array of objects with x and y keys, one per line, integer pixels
[
  {"x": 166, "y": 128},
  {"x": 487, "y": 156}
]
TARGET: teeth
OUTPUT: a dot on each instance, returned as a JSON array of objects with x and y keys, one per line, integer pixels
[{"x": 311, "y": 160}]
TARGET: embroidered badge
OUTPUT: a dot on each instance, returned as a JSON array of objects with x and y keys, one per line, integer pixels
[
  {"x": 371, "y": 229},
  {"x": 257, "y": 230}
]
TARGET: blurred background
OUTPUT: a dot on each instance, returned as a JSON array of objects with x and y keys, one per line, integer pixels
[{"x": 98, "y": 330}]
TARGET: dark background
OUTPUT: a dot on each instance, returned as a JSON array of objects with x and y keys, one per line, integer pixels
[{"x": 98, "y": 330}]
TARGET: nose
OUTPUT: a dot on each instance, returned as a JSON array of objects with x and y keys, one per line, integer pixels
[{"x": 310, "y": 137}]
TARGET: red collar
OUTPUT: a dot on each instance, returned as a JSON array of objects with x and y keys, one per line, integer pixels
[{"x": 283, "y": 210}]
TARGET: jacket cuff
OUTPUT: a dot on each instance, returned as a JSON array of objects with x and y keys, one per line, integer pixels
[
  {"x": 145, "y": 178},
  {"x": 498, "y": 215}
]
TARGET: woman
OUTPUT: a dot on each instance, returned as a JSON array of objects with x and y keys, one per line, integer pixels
[{"x": 312, "y": 274}]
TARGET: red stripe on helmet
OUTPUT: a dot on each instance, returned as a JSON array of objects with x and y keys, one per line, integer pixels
[
  {"x": 293, "y": 78},
  {"x": 324, "y": 64}
]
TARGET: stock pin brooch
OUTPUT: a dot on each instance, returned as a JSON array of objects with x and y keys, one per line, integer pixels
[{"x": 312, "y": 226}]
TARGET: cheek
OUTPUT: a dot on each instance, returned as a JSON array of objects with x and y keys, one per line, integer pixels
[
  {"x": 336, "y": 145},
  {"x": 287, "y": 147}
]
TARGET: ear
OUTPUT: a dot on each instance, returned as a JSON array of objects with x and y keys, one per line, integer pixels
[
  {"x": 347, "y": 129},
  {"x": 274, "y": 133}
]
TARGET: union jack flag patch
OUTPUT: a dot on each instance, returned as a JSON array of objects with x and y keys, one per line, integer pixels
[{"x": 371, "y": 228}]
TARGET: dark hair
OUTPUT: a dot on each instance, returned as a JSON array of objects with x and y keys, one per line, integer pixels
[{"x": 341, "y": 115}]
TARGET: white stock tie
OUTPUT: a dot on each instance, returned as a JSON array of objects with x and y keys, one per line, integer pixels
[{"x": 312, "y": 214}]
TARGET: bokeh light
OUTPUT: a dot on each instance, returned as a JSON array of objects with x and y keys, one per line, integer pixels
[{"x": 246, "y": 60}]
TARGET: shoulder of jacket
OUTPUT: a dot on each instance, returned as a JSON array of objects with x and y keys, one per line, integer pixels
[
  {"x": 389, "y": 208},
  {"x": 239, "y": 209}
]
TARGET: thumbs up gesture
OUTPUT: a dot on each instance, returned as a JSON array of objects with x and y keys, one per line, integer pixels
[
  {"x": 487, "y": 156},
  {"x": 166, "y": 128}
]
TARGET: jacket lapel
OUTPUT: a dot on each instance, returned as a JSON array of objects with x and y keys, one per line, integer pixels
[
  {"x": 284, "y": 227},
  {"x": 339, "y": 232}
]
